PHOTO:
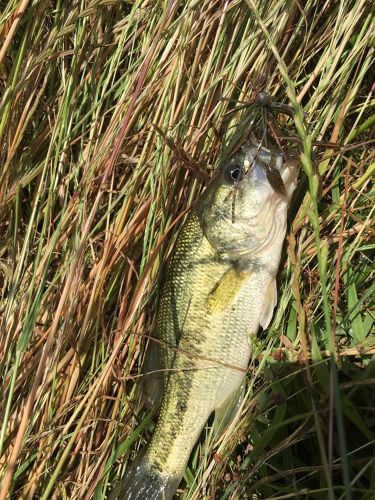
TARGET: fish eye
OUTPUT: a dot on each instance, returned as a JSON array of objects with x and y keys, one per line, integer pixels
[{"x": 234, "y": 173}]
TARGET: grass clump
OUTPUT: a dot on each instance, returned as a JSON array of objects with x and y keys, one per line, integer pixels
[{"x": 112, "y": 119}]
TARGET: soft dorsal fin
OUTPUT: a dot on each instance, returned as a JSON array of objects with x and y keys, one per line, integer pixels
[{"x": 226, "y": 290}]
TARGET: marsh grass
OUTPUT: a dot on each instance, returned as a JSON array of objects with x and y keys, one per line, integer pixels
[{"x": 112, "y": 120}]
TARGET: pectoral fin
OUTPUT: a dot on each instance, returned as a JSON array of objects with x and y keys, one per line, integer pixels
[
  {"x": 270, "y": 301},
  {"x": 225, "y": 292}
]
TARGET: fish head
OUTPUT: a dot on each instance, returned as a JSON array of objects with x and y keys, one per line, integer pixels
[{"x": 244, "y": 209}]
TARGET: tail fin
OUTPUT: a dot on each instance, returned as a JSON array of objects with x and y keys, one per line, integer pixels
[{"x": 144, "y": 482}]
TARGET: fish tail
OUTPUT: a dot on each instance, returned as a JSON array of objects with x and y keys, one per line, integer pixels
[{"x": 143, "y": 481}]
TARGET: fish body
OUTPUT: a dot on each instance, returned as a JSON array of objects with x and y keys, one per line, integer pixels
[{"x": 219, "y": 288}]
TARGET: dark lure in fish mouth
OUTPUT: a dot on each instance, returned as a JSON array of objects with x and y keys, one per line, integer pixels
[{"x": 268, "y": 160}]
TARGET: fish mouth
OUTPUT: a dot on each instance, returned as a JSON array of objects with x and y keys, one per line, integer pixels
[{"x": 281, "y": 171}]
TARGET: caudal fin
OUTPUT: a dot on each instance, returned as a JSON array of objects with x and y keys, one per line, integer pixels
[{"x": 145, "y": 482}]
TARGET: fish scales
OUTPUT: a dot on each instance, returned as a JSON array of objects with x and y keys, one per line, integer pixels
[
  {"x": 219, "y": 288},
  {"x": 216, "y": 336}
]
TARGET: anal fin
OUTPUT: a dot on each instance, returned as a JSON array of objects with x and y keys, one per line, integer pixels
[{"x": 227, "y": 411}]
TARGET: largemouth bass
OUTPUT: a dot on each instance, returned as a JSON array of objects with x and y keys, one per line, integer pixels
[{"x": 219, "y": 288}]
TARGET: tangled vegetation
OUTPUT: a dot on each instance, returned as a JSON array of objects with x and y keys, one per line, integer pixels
[{"x": 113, "y": 116}]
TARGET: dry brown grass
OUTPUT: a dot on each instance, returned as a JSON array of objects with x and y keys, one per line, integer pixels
[{"x": 112, "y": 119}]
